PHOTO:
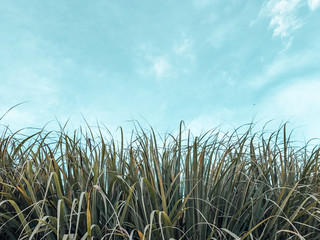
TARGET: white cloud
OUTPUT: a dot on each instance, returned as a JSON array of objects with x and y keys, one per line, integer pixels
[
  {"x": 313, "y": 4},
  {"x": 179, "y": 58},
  {"x": 222, "y": 33},
  {"x": 18, "y": 118},
  {"x": 284, "y": 64},
  {"x": 296, "y": 103},
  {"x": 300, "y": 99},
  {"x": 224, "y": 119},
  {"x": 299, "y": 103},
  {"x": 150, "y": 62},
  {"x": 31, "y": 83},
  {"x": 34, "y": 81},
  {"x": 282, "y": 14},
  {"x": 184, "y": 56},
  {"x": 161, "y": 66},
  {"x": 182, "y": 47}
]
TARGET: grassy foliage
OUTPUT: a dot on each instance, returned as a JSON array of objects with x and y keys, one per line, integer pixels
[{"x": 86, "y": 186}]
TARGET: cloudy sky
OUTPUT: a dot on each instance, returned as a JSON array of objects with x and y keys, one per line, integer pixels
[{"x": 205, "y": 62}]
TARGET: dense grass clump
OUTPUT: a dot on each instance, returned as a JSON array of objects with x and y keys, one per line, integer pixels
[{"x": 86, "y": 186}]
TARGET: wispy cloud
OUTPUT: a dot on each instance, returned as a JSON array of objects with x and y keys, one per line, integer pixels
[
  {"x": 222, "y": 33},
  {"x": 313, "y": 4},
  {"x": 283, "y": 16},
  {"x": 23, "y": 86},
  {"x": 33, "y": 76},
  {"x": 284, "y": 64},
  {"x": 184, "y": 56},
  {"x": 183, "y": 47},
  {"x": 298, "y": 101},
  {"x": 178, "y": 58},
  {"x": 161, "y": 66},
  {"x": 220, "y": 118},
  {"x": 158, "y": 66}
]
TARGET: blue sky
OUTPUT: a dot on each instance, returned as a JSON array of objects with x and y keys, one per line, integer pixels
[{"x": 159, "y": 62}]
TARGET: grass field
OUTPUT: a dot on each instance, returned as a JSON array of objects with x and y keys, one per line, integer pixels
[{"x": 87, "y": 185}]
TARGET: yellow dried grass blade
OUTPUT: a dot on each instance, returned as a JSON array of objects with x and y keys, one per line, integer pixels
[
  {"x": 141, "y": 235},
  {"x": 252, "y": 229}
]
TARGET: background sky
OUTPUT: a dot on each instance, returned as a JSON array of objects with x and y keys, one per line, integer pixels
[{"x": 159, "y": 62}]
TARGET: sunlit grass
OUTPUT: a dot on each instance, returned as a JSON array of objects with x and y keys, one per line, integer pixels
[{"x": 88, "y": 186}]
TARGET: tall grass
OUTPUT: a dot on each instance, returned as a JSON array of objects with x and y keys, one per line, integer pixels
[{"x": 86, "y": 186}]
